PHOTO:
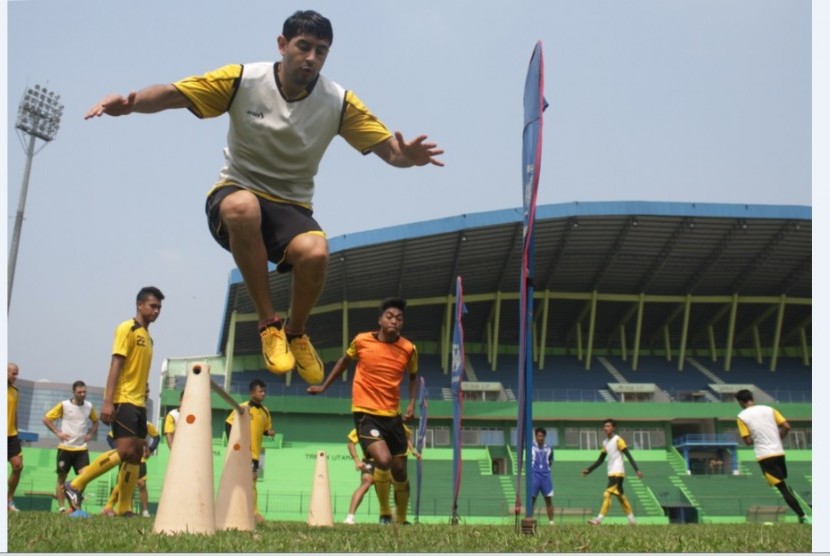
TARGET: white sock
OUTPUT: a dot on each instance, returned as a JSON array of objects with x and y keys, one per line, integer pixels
[
  {"x": 631, "y": 518},
  {"x": 600, "y": 517}
]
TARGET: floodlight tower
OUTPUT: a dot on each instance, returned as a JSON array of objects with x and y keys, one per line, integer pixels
[{"x": 38, "y": 117}]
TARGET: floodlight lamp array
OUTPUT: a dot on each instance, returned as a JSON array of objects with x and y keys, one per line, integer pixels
[{"x": 40, "y": 113}]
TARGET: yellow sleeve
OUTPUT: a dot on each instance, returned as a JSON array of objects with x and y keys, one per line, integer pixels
[
  {"x": 169, "y": 424},
  {"x": 123, "y": 343},
  {"x": 621, "y": 445},
  {"x": 412, "y": 367},
  {"x": 778, "y": 417},
  {"x": 353, "y": 436},
  {"x": 93, "y": 416},
  {"x": 55, "y": 413},
  {"x": 742, "y": 429},
  {"x": 152, "y": 430},
  {"x": 359, "y": 127},
  {"x": 229, "y": 420},
  {"x": 351, "y": 353},
  {"x": 211, "y": 93}
]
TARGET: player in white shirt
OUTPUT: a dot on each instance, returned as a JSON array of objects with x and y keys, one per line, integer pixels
[
  {"x": 613, "y": 447},
  {"x": 75, "y": 415},
  {"x": 764, "y": 428}
]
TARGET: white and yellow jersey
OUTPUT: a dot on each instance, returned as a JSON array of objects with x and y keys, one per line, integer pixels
[
  {"x": 275, "y": 144},
  {"x": 74, "y": 419},
  {"x": 613, "y": 448},
  {"x": 760, "y": 422}
]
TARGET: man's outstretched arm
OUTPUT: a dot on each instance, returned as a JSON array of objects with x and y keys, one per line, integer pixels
[
  {"x": 402, "y": 154},
  {"x": 148, "y": 100}
]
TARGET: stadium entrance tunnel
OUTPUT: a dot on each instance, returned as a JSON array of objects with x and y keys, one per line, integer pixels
[{"x": 685, "y": 513}]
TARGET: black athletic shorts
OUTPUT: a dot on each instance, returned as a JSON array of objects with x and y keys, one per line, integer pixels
[
  {"x": 129, "y": 421},
  {"x": 72, "y": 459},
  {"x": 255, "y": 465},
  {"x": 281, "y": 222},
  {"x": 615, "y": 485},
  {"x": 15, "y": 449},
  {"x": 774, "y": 468},
  {"x": 142, "y": 470},
  {"x": 371, "y": 428}
]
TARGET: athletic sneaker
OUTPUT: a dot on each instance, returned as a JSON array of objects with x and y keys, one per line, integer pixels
[
  {"x": 61, "y": 510},
  {"x": 278, "y": 359},
  {"x": 109, "y": 512},
  {"x": 145, "y": 513},
  {"x": 386, "y": 520},
  {"x": 804, "y": 519},
  {"x": 593, "y": 522},
  {"x": 12, "y": 507},
  {"x": 74, "y": 497},
  {"x": 349, "y": 520},
  {"x": 309, "y": 364},
  {"x": 126, "y": 514}
]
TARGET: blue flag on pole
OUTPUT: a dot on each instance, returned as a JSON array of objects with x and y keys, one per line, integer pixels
[
  {"x": 420, "y": 443},
  {"x": 534, "y": 105},
  {"x": 457, "y": 374}
]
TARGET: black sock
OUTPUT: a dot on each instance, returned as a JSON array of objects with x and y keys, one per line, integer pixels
[{"x": 789, "y": 498}]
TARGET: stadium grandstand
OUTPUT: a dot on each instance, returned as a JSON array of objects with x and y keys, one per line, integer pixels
[{"x": 653, "y": 314}]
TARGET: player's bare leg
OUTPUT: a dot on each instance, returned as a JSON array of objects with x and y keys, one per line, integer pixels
[
  {"x": 309, "y": 255},
  {"x": 241, "y": 215}
]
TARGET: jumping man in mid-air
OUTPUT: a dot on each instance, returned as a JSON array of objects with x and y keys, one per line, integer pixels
[{"x": 283, "y": 116}]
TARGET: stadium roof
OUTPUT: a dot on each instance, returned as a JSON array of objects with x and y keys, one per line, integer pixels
[{"x": 758, "y": 256}]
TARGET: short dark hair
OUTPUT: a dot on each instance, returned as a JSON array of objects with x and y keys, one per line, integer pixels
[
  {"x": 392, "y": 302},
  {"x": 255, "y": 383},
  {"x": 744, "y": 396},
  {"x": 540, "y": 429},
  {"x": 77, "y": 384},
  {"x": 146, "y": 292},
  {"x": 310, "y": 22},
  {"x": 613, "y": 422}
]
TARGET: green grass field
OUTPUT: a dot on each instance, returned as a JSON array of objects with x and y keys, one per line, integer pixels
[{"x": 50, "y": 532}]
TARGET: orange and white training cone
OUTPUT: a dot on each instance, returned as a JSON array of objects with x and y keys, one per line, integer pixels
[
  {"x": 235, "y": 499},
  {"x": 186, "y": 501},
  {"x": 319, "y": 510}
]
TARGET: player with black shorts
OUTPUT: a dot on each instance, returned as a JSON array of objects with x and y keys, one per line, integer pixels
[{"x": 124, "y": 403}]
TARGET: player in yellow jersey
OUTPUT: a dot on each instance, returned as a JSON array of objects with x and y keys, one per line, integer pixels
[
  {"x": 170, "y": 421},
  {"x": 384, "y": 358},
  {"x": 15, "y": 453},
  {"x": 614, "y": 447},
  {"x": 283, "y": 116},
  {"x": 261, "y": 426},
  {"x": 124, "y": 406}
]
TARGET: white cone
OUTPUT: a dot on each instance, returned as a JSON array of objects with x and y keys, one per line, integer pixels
[
  {"x": 235, "y": 499},
  {"x": 319, "y": 510},
  {"x": 186, "y": 501}
]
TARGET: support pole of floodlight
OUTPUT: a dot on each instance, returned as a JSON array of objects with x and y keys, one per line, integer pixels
[{"x": 38, "y": 117}]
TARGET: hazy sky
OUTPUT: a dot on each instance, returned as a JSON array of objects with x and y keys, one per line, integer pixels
[
  {"x": 656, "y": 100},
  {"x": 700, "y": 100}
]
